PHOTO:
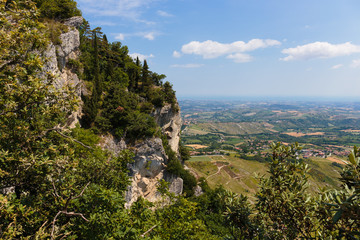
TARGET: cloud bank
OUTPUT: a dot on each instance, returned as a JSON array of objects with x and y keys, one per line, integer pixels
[
  {"x": 176, "y": 54},
  {"x": 146, "y": 35},
  {"x": 164, "y": 14},
  {"x": 320, "y": 50},
  {"x": 211, "y": 49},
  {"x": 141, "y": 56},
  {"x": 355, "y": 63},
  {"x": 337, "y": 66}
]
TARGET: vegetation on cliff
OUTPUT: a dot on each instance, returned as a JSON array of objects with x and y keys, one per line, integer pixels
[{"x": 57, "y": 183}]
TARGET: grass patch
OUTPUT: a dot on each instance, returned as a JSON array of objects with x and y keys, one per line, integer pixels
[
  {"x": 199, "y": 159},
  {"x": 203, "y": 169}
]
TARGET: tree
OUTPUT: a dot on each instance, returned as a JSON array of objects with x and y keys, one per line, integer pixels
[
  {"x": 51, "y": 178},
  {"x": 339, "y": 211},
  {"x": 137, "y": 74},
  {"x": 145, "y": 77},
  {"x": 91, "y": 104},
  {"x": 31, "y": 113},
  {"x": 285, "y": 209},
  {"x": 58, "y": 9},
  {"x": 179, "y": 219}
]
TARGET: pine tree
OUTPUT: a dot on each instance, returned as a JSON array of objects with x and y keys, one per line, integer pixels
[
  {"x": 137, "y": 75},
  {"x": 97, "y": 80}
]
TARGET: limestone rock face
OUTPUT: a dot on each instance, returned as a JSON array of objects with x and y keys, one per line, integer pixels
[
  {"x": 70, "y": 42},
  {"x": 198, "y": 191},
  {"x": 150, "y": 159},
  {"x": 74, "y": 21},
  {"x": 176, "y": 183},
  {"x": 109, "y": 142},
  {"x": 147, "y": 169},
  {"x": 170, "y": 122},
  {"x": 58, "y": 55}
]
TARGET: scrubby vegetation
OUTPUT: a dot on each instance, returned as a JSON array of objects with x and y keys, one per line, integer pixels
[
  {"x": 59, "y": 184},
  {"x": 122, "y": 91}
]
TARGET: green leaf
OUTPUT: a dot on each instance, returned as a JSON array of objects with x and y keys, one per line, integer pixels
[
  {"x": 352, "y": 158},
  {"x": 337, "y": 216}
]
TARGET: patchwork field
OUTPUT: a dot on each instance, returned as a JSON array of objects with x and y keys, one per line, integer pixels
[
  {"x": 232, "y": 128},
  {"x": 241, "y": 176},
  {"x": 196, "y": 146},
  {"x": 299, "y": 134}
]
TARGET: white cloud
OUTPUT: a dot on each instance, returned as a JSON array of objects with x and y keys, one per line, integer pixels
[
  {"x": 320, "y": 50},
  {"x": 189, "y": 65},
  {"x": 164, "y": 14},
  {"x": 120, "y": 37},
  {"x": 130, "y": 9},
  {"x": 150, "y": 35},
  {"x": 337, "y": 66},
  {"x": 355, "y": 63},
  {"x": 176, "y": 54},
  {"x": 212, "y": 49},
  {"x": 147, "y": 35},
  {"x": 240, "y": 57},
  {"x": 141, "y": 56}
]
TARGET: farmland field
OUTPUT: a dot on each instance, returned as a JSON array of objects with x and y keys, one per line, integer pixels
[
  {"x": 317, "y": 125},
  {"x": 241, "y": 176},
  {"x": 237, "y": 137}
]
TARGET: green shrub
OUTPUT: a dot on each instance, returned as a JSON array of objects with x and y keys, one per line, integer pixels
[
  {"x": 74, "y": 65},
  {"x": 58, "y": 9},
  {"x": 54, "y": 29}
]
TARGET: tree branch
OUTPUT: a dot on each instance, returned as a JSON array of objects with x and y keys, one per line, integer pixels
[
  {"x": 57, "y": 129},
  {"x": 53, "y": 225},
  {"x": 143, "y": 235},
  {"x": 81, "y": 193},
  {"x": 65, "y": 136},
  {"x": 55, "y": 192},
  {"x": 69, "y": 214}
]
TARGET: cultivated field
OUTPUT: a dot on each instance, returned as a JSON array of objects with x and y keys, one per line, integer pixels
[{"x": 241, "y": 176}]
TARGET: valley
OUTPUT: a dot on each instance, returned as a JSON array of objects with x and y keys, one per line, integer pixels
[{"x": 229, "y": 140}]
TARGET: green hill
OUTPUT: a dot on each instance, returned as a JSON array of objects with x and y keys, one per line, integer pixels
[{"x": 240, "y": 176}]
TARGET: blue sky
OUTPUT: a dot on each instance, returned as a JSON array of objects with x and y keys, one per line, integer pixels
[{"x": 232, "y": 48}]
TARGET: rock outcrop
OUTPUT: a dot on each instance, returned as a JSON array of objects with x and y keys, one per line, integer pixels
[
  {"x": 58, "y": 55},
  {"x": 150, "y": 159},
  {"x": 170, "y": 122}
]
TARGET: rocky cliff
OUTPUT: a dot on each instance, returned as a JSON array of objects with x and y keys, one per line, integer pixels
[
  {"x": 170, "y": 122},
  {"x": 57, "y": 57},
  {"x": 150, "y": 158}
]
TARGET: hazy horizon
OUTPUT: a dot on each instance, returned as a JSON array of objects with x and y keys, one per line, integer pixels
[{"x": 270, "y": 98}]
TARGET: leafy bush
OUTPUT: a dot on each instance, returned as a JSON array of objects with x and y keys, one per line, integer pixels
[
  {"x": 54, "y": 29},
  {"x": 174, "y": 166},
  {"x": 58, "y": 9}
]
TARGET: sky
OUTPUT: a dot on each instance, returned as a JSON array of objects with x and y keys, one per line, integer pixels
[{"x": 240, "y": 48}]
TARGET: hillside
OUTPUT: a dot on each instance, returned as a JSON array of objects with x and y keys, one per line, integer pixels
[
  {"x": 241, "y": 176},
  {"x": 92, "y": 126},
  {"x": 90, "y": 149}
]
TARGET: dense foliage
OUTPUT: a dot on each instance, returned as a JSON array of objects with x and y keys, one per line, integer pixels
[
  {"x": 122, "y": 91},
  {"x": 57, "y": 183},
  {"x": 57, "y": 9}
]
